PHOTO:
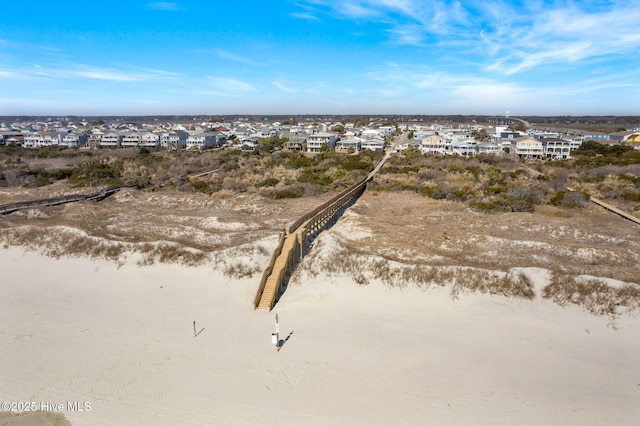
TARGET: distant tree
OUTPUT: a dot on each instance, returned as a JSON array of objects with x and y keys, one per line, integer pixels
[
  {"x": 339, "y": 128},
  {"x": 271, "y": 143},
  {"x": 325, "y": 147},
  {"x": 480, "y": 135}
]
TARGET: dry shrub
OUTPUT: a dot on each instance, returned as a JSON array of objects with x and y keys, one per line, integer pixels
[
  {"x": 171, "y": 253},
  {"x": 361, "y": 269},
  {"x": 510, "y": 285},
  {"x": 240, "y": 261},
  {"x": 240, "y": 269},
  {"x": 593, "y": 295},
  {"x": 56, "y": 242}
]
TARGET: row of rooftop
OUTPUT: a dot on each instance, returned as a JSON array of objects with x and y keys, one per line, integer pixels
[{"x": 435, "y": 139}]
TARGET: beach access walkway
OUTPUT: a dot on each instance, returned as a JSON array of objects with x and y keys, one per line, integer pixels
[{"x": 295, "y": 238}]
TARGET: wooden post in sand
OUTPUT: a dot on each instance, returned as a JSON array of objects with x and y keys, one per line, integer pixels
[{"x": 194, "y": 329}]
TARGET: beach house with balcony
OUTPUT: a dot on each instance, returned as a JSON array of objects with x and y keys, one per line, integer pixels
[{"x": 315, "y": 141}]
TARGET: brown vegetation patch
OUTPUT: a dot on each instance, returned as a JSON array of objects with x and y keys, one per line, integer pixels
[
  {"x": 362, "y": 269},
  {"x": 593, "y": 295}
]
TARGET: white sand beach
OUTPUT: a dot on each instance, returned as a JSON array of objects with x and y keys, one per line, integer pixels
[{"x": 121, "y": 339}]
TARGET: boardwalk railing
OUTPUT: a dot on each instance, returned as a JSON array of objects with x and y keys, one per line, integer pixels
[
  {"x": 612, "y": 209},
  {"x": 616, "y": 210},
  {"x": 97, "y": 196},
  {"x": 291, "y": 244},
  {"x": 269, "y": 269}
]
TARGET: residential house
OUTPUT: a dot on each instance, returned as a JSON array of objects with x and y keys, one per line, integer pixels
[
  {"x": 489, "y": 148},
  {"x": 402, "y": 146},
  {"x": 10, "y": 135},
  {"x": 111, "y": 140},
  {"x": 204, "y": 140},
  {"x": 556, "y": 148},
  {"x": 459, "y": 137},
  {"x": 373, "y": 145},
  {"x": 95, "y": 138},
  {"x": 40, "y": 139},
  {"x": 344, "y": 145},
  {"x": 315, "y": 141},
  {"x": 634, "y": 140},
  {"x": 249, "y": 144},
  {"x": 372, "y": 134},
  {"x": 296, "y": 141},
  {"x": 423, "y": 134},
  {"x": 433, "y": 144},
  {"x": 598, "y": 137},
  {"x": 149, "y": 140},
  {"x": 619, "y": 136},
  {"x": 175, "y": 139},
  {"x": 465, "y": 148},
  {"x": 131, "y": 140},
  {"x": 527, "y": 148},
  {"x": 33, "y": 140},
  {"x": 387, "y": 130},
  {"x": 74, "y": 139}
]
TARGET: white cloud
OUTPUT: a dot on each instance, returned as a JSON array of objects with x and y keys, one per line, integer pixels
[
  {"x": 284, "y": 86},
  {"x": 230, "y": 84},
  {"x": 509, "y": 37},
  {"x": 162, "y": 5},
  {"x": 224, "y": 54},
  {"x": 357, "y": 11},
  {"x": 126, "y": 74},
  {"x": 307, "y": 16}
]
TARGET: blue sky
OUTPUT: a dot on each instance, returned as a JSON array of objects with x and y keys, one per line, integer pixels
[{"x": 320, "y": 57}]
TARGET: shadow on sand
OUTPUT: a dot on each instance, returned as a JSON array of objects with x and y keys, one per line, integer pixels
[{"x": 283, "y": 341}]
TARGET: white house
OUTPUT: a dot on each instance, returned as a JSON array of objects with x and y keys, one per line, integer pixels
[
  {"x": 175, "y": 139},
  {"x": 33, "y": 140},
  {"x": 111, "y": 140},
  {"x": 402, "y": 146},
  {"x": 489, "y": 148},
  {"x": 95, "y": 138},
  {"x": 40, "y": 139},
  {"x": 527, "y": 148},
  {"x": 372, "y": 134},
  {"x": 373, "y": 145},
  {"x": 556, "y": 148},
  {"x": 149, "y": 140},
  {"x": 347, "y": 144},
  {"x": 203, "y": 140},
  {"x": 317, "y": 140},
  {"x": 131, "y": 140}
]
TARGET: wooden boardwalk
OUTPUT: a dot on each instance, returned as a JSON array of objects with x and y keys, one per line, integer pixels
[
  {"x": 56, "y": 201},
  {"x": 612, "y": 209},
  {"x": 290, "y": 250}
]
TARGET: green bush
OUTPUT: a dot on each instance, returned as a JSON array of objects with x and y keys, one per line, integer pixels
[
  {"x": 93, "y": 173},
  {"x": 291, "y": 192},
  {"x": 315, "y": 176},
  {"x": 632, "y": 196},
  {"x": 488, "y": 206},
  {"x": 427, "y": 191},
  {"x": 268, "y": 182},
  {"x": 352, "y": 162}
]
